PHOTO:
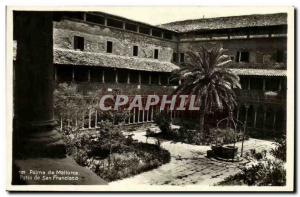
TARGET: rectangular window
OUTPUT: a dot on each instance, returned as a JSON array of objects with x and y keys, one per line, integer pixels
[
  {"x": 144, "y": 30},
  {"x": 135, "y": 50},
  {"x": 109, "y": 47},
  {"x": 155, "y": 53},
  {"x": 181, "y": 57},
  {"x": 95, "y": 19},
  {"x": 75, "y": 15},
  {"x": 78, "y": 43},
  {"x": 174, "y": 57},
  {"x": 242, "y": 56},
  {"x": 156, "y": 33},
  {"x": 131, "y": 27},
  {"x": 168, "y": 35},
  {"x": 114, "y": 23}
]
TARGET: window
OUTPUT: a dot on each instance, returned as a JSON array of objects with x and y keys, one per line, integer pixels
[
  {"x": 156, "y": 33},
  {"x": 109, "y": 47},
  {"x": 75, "y": 15},
  {"x": 181, "y": 57},
  {"x": 78, "y": 43},
  {"x": 242, "y": 56},
  {"x": 95, "y": 19},
  {"x": 155, "y": 53},
  {"x": 144, "y": 30},
  {"x": 114, "y": 23},
  {"x": 175, "y": 57},
  {"x": 168, "y": 35},
  {"x": 131, "y": 27},
  {"x": 135, "y": 50}
]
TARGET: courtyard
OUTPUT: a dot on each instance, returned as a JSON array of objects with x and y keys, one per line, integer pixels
[{"x": 189, "y": 164}]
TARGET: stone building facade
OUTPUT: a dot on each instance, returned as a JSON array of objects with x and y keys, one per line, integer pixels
[{"x": 107, "y": 52}]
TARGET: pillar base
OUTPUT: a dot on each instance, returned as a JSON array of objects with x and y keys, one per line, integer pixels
[{"x": 39, "y": 139}]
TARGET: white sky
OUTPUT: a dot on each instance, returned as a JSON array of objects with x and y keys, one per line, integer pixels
[{"x": 159, "y": 15}]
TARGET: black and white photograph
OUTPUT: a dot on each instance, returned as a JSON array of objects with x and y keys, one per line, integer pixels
[{"x": 150, "y": 98}]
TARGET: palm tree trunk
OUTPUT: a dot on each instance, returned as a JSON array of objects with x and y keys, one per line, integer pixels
[{"x": 202, "y": 114}]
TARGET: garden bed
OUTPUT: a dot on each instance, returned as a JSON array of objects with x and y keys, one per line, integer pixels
[{"x": 114, "y": 158}]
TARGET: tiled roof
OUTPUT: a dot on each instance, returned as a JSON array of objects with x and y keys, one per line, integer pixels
[
  {"x": 66, "y": 56},
  {"x": 258, "y": 72},
  {"x": 227, "y": 22}
]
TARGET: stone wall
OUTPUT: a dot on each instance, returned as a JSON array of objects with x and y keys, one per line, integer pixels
[
  {"x": 96, "y": 37},
  {"x": 261, "y": 50}
]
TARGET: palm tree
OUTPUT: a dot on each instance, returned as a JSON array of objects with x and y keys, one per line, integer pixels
[{"x": 204, "y": 76}]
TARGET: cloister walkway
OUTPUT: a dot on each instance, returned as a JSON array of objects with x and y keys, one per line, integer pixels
[{"x": 189, "y": 164}]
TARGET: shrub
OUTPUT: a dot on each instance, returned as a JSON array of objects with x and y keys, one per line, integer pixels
[
  {"x": 266, "y": 173},
  {"x": 262, "y": 172},
  {"x": 163, "y": 121},
  {"x": 280, "y": 150}
]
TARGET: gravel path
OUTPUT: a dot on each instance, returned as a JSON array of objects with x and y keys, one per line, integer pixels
[{"x": 189, "y": 164}]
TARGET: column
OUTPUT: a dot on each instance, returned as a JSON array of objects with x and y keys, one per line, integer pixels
[
  {"x": 279, "y": 85},
  {"x": 128, "y": 77},
  {"x": 159, "y": 80},
  {"x": 73, "y": 74},
  {"x": 105, "y": 21},
  {"x": 140, "y": 78},
  {"x": 90, "y": 119},
  {"x": 139, "y": 115},
  {"x": 96, "y": 119},
  {"x": 34, "y": 127},
  {"x": 89, "y": 75},
  {"x": 83, "y": 119},
  {"x": 264, "y": 84},
  {"x": 255, "y": 116},
  {"x": 103, "y": 76},
  {"x": 55, "y": 74},
  {"x": 116, "y": 77},
  {"x": 133, "y": 116},
  {"x": 144, "y": 115}
]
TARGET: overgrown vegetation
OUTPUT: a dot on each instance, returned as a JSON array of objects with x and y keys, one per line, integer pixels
[
  {"x": 112, "y": 155},
  {"x": 188, "y": 133},
  {"x": 280, "y": 150},
  {"x": 106, "y": 151},
  {"x": 263, "y": 171}
]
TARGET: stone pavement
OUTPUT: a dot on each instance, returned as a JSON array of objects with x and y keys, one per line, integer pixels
[{"x": 189, "y": 164}]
